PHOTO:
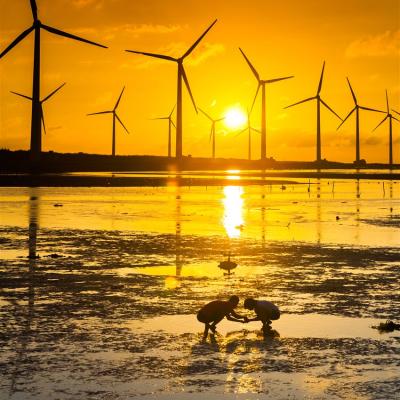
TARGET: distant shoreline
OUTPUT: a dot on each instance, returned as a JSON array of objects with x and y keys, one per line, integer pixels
[{"x": 79, "y": 169}]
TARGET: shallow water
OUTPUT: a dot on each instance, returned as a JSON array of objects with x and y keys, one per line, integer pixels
[{"x": 107, "y": 309}]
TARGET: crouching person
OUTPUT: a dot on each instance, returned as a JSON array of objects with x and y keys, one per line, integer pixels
[
  {"x": 266, "y": 312},
  {"x": 212, "y": 313}
]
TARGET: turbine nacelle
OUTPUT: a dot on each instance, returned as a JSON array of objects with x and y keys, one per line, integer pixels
[{"x": 41, "y": 102}]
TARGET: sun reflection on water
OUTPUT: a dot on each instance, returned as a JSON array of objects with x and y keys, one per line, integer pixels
[{"x": 233, "y": 210}]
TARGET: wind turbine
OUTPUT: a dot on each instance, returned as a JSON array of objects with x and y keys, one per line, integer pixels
[
  {"x": 212, "y": 132},
  {"x": 357, "y": 109},
  {"x": 170, "y": 125},
  {"x": 390, "y": 116},
  {"x": 115, "y": 118},
  {"x": 262, "y": 83},
  {"x": 36, "y": 127},
  {"x": 248, "y": 128},
  {"x": 319, "y": 102},
  {"x": 181, "y": 75},
  {"x": 41, "y": 102}
]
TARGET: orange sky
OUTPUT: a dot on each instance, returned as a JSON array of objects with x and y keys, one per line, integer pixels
[{"x": 357, "y": 38}]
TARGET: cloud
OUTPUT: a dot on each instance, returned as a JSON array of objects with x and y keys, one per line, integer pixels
[
  {"x": 372, "y": 141},
  {"x": 382, "y": 45},
  {"x": 208, "y": 50},
  {"x": 85, "y": 3}
]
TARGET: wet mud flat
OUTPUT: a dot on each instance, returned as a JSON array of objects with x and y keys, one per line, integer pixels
[{"x": 111, "y": 315}]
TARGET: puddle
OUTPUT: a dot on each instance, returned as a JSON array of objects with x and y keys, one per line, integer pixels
[{"x": 289, "y": 326}]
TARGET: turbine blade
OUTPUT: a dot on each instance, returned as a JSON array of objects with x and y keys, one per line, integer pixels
[
  {"x": 352, "y": 92},
  {"x": 351, "y": 112},
  {"x": 395, "y": 118},
  {"x": 154, "y": 119},
  {"x": 101, "y": 112},
  {"x": 330, "y": 109},
  {"x": 387, "y": 103},
  {"x": 279, "y": 79},
  {"x": 42, "y": 118},
  {"x": 173, "y": 124},
  {"x": 219, "y": 119},
  {"x": 153, "y": 55},
  {"x": 116, "y": 116},
  {"x": 53, "y": 93},
  {"x": 22, "y": 95},
  {"x": 198, "y": 40},
  {"x": 172, "y": 111},
  {"x": 321, "y": 79},
  {"x": 188, "y": 87},
  {"x": 395, "y": 111},
  {"x": 251, "y": 66},
  {"x": 371, "y": 109},
  {"x": 17, "y": 40},
  {"x": 384, "y": 119},
  {"x": 302, "y": 101},
  {"x": 119, "y": 99},
  {"x": 70, "y": 36},
  {"x": 34, "y": 9},
  {"x": 206, "y": 115},
  {"x": 242, "y": 131},
  {"x": 211, "y": 132},
  {"x": 255, "y": 98},
  {"x": 255, "y": 130}
]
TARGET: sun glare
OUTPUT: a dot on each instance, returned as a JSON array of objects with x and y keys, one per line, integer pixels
[{"x": 235, "y": 118}]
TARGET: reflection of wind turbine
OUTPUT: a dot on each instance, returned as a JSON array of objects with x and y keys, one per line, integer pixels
[
  {"x": 390, "y": 116},
  {"x": 181, "y": 75},
  {"x": 41, "y": 103},
  {"x": 36, "y": 126},
  {"x": 25, "y": 337},
  {"x": 170, "y": 125},
  {"x": 357, "y": 109},
  {"x": 262, "y": 83},
  {"x": 178, "y": 255},
  {"x": 319, "y": 101},
  {"x": 115, "y": 117},
  {"x": 212, "y": 132},
  {"x": 249, "y": 128}
]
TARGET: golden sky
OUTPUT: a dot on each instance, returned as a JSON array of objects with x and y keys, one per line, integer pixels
[{"x": 357, "y": 38}]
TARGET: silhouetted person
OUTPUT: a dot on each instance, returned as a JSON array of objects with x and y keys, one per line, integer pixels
[
  {"x": 213, "y": 313},
  {"x": 265, "y": 312}
]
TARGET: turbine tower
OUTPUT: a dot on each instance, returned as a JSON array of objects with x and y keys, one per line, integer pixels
[
  {"x": 212, "y": 132},
  {"x": 181, "y": 76},
  {"x": 357, "y": 109},
  {"x": 261, "y": 84},
  {"x": 37, "y": 26},
  {"x": 170, "y": 125},
  {"x": 391, "y": 117},
  {"x": 319, "y": 102},
  {"x": 41, "y": 102},
  {"x": 115, "y": 118},
  {"x": 249, "y": 129}
]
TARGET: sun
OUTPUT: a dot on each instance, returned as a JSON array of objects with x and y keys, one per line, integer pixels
[{"x": 235, "y": 117}]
